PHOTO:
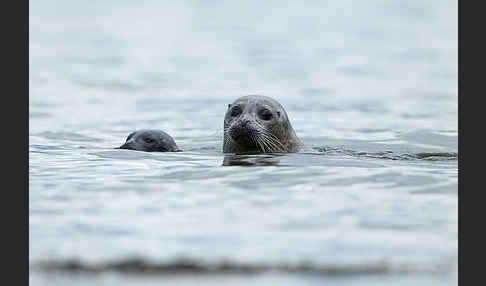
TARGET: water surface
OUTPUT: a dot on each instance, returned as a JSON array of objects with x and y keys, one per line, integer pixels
[{"x": 370, "y": 88}]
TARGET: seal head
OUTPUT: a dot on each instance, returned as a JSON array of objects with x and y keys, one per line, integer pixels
[
  {"x": 258, "y": 124},
  {"x": 150, "y": 141}
]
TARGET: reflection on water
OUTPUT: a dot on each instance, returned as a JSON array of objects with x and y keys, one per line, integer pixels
[{"x": 249, "y": 160}]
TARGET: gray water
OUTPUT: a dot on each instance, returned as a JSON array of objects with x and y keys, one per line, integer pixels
[{"x": 370, "y": 87}]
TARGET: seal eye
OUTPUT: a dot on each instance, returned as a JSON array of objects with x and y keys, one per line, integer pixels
[
  {"x": 235, "y": 111},
  {"x": 265, "y": 114},
  {"x": 148, "y": 140}
]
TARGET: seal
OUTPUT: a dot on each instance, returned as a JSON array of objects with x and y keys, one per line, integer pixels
[
  {"x": 258, "y": 124},
  {"x": 150, "y": 141}
]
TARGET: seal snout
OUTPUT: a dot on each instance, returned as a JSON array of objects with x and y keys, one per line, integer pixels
[
  {"x": 239, "y": 133},
  {"x": 126, "y": 145},
  {"x": 243, "y": 132}
]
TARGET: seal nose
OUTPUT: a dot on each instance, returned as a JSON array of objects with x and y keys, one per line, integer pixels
[
  {"x": 124, "y": 146},
  {"x": 244, "y": 122},
  {"x": 127, "y": 145}
]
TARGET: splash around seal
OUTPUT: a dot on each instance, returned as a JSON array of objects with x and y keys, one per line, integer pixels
[{"x": 258, "y": 124}]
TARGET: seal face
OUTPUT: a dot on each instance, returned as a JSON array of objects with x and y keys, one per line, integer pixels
[
  {"x": 150, "y": 141},
  {"x": 256, "y": 123}
]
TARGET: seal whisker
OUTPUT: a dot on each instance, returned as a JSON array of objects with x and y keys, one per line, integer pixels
[
  {"x": 273, "y": 141},
  {"x": 264, "y": 143},
  {"x": 276, "y": 140},
  {"x": 262, "y": 146},
  {"x": 260, "y": 142},
  {"x": 269, "y": 142},
  {"x": 265, "y": 138}
]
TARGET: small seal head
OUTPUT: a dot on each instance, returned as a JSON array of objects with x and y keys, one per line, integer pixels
[
  {"x": 150, "y": 141},
  {"x": 256, "y": 123}
]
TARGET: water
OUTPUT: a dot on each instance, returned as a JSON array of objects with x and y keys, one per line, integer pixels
[{"x": 370, "y": 88}]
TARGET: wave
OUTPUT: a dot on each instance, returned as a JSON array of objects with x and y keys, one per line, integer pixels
[{"x": 390, "y": 155}]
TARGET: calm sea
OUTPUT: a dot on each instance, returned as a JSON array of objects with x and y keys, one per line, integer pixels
[{"x": 370, "y": 87}]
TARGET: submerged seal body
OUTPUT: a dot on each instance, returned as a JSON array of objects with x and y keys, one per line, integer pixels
[
  {"x": 150, "y": 141},
  {"x": 256, "y": 123}
]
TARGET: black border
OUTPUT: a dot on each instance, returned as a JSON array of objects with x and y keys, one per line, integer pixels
[
  {"x": 14, "y": 23},
  {"x": 463, "y": 278}
]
